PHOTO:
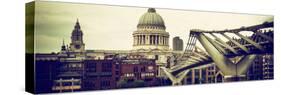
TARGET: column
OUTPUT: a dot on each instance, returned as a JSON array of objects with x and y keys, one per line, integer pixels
[
  {"x": 146, "y": 39},
  {"x": 138, "y": 39},
  {"x": 144, "y": 42},
  {"x": 141, "y": 37},
  {"x": 165, "y": 40},
  {"x": 160, "y": 40},
  {"x": 152, "y": 39},
  {"x": 150, "y": 42},
  {"x": 157, "y": 38}
]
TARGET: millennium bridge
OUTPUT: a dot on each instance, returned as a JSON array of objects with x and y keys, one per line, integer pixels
[{"x": 216, "y": 50}]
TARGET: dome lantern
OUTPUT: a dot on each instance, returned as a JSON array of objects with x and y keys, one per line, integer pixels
[{"x": 151, "y": 10}]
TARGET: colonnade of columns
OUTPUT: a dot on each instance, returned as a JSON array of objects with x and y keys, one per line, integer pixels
[{"x": 151, "y": 40}]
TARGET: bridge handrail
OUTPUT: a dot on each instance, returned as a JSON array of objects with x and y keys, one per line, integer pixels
[{"x": 249, "y": 28}]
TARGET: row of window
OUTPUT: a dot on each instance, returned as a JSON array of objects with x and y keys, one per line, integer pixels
[
  {"x": 106, "y": 67},
  {"x": 136, "y": 69},
  {"x": 143, "y": 69},
  {"x": 105, "y": 84},
  {"x": 147, "y": 74},
  {"x": 142, "y": 75},
  {"x": 129, "y": 75},
  {"x": 75, "y": 65}
]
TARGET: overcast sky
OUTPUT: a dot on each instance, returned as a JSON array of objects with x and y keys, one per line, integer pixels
[{"x": 111, "y": 27}]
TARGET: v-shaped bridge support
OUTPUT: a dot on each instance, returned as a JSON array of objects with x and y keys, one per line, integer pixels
[
  {"x": 176, "y": 80},
  {"x": 228, "y": 68}
]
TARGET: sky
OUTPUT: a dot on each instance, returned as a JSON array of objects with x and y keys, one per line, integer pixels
[{"x": 111, "y": 27}]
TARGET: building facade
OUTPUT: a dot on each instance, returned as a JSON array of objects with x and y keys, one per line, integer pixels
[
  {"x": 177, "y": 44},
  {"x": 136, "y": 67},
  {"x": 262, "y": 68},
  {"x": 100, "y": 74}
]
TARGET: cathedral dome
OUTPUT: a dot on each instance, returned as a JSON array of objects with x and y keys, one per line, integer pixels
[
  {"x": 151, "y": 33},
  {"x": 151, "y": 18}
]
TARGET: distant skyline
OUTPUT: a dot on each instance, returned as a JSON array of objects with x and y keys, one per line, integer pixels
[{"x": 111, "y": 27}]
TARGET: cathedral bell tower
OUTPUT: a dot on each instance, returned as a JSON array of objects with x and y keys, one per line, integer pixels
[{"x": 77, "y": 44}]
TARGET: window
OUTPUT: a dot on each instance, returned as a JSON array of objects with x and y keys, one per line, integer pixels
[
  {"x": 156, "y": 57},
  {"x": 142, "y": 74},
  {"x": 66, "y": 83},
  {"x": 76, "y": 83},
  {"x": 135, "y": 69},
  {"x": 150, "y": 68},
  {"x": 117, "y": 66},
  {"x": 143, "y": 69},
  {"x": 77, "y": 46},
  {"x": 92, "y": 67},
  {"x": 106, "y": 67},
  {"x": 105, "y": 84},
  {"x": 116, "y": 72}
]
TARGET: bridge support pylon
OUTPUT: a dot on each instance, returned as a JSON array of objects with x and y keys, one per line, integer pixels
[
  {"x": 231, "y": 71},
  {"x": 176, "y": 80}
]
